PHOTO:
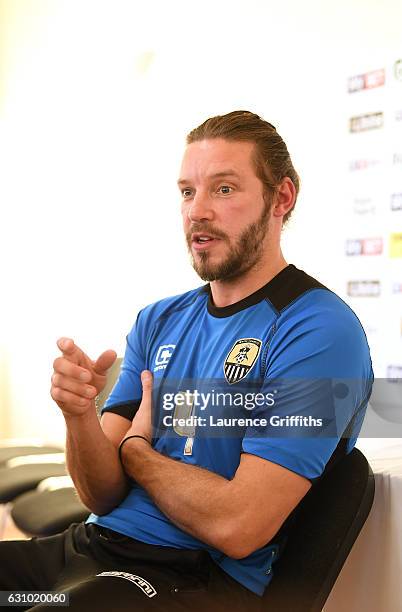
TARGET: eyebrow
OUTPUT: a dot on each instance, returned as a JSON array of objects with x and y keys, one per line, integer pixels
[{"x": 223, "y": 174}]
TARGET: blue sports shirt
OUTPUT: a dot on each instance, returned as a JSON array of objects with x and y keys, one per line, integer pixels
[{"x": 284, "y": 374}]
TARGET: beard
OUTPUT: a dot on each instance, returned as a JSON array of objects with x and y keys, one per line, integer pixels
[{"x": 243, "y": 255}]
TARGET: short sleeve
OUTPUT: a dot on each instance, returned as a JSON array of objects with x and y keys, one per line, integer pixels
[
  {"x": 126, "y": 395},
  {"x": 319, "y": 378}
]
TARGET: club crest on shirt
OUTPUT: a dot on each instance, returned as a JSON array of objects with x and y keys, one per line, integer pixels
[{"x": 241, "y": 358}]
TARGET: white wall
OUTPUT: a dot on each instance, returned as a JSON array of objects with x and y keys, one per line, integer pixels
[{"x": 95, "y": 101}]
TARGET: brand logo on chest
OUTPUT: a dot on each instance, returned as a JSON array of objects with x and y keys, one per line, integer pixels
[{"x": 165, "y": 351}]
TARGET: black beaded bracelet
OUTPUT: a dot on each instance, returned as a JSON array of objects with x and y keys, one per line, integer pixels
[{"x": 129, "y": 438}]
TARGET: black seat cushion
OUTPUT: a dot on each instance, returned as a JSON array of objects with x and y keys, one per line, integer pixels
[
  {"x": 9, "y": 452},
  {"x": 17, "y": 480},
  {"x": 44, "y": 513}
]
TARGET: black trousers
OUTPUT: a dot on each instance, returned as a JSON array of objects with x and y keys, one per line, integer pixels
[{"x": 103, "y": 570}]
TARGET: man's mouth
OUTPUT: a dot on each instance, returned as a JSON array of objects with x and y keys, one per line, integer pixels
[{"x": 201, "y": 241}]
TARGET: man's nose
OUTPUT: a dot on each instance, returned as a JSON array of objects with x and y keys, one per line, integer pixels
[{"x": 201, "y": 208}]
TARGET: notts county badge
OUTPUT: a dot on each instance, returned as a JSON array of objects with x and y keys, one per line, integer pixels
[{"x": 241, "y": 358}]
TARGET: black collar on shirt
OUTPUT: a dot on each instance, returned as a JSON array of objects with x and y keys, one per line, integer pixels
[{"x": 289, "y": 284}]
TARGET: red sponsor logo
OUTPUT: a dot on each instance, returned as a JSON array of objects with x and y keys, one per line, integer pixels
[
  {"x": 369, "y": 80},
  {"x": 364, "y": 246},
  {"x": 376, "y": 78},
  {"x": 372, "y": 246}
]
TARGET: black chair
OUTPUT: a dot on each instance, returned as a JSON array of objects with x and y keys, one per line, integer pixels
[{"x": 326, "y": 524}]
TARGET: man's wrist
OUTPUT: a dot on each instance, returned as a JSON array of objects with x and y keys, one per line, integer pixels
[
  {"x": 83, "y": 417},
  {"x": 132, "y": 439}
]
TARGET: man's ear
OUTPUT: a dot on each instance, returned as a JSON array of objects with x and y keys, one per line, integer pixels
[{"x": 285, "y": 196}]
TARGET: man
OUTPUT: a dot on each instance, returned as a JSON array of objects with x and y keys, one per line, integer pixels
[{"x": 188, "y": 513}]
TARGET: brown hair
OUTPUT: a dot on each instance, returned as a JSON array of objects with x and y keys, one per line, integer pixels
[{"x": 271, "y": 158}]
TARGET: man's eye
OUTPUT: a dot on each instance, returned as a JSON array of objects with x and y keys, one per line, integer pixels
[
  {"x": 186, "y": 193},
  {"x": 225, "y": 189}
]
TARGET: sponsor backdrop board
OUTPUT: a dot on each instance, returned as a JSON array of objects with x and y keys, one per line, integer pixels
[{"x": 373, "y": 190}]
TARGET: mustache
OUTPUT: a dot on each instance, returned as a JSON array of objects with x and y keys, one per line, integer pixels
[{"x": 207, "y": 228}]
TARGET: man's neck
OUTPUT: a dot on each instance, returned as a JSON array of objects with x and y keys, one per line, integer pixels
[{"x": 229, "y": 291}]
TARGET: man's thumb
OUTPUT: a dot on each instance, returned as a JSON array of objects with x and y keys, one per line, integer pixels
[
  {"x": 104, "y": 362},
  {"x": 146, "y": 379}
]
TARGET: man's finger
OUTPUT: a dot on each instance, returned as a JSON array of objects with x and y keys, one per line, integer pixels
[
  {"x": 104, "y": 362},
  {"x": 77, "y": 387},
  {"x": 70, "y": 350},
  {"x": 66, "y": 345},
  {"x": 68, "y": 399},
  {"x": 62, "y": 365}
]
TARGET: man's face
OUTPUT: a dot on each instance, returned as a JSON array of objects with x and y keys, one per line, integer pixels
[{"x": 225, "y": 214}]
